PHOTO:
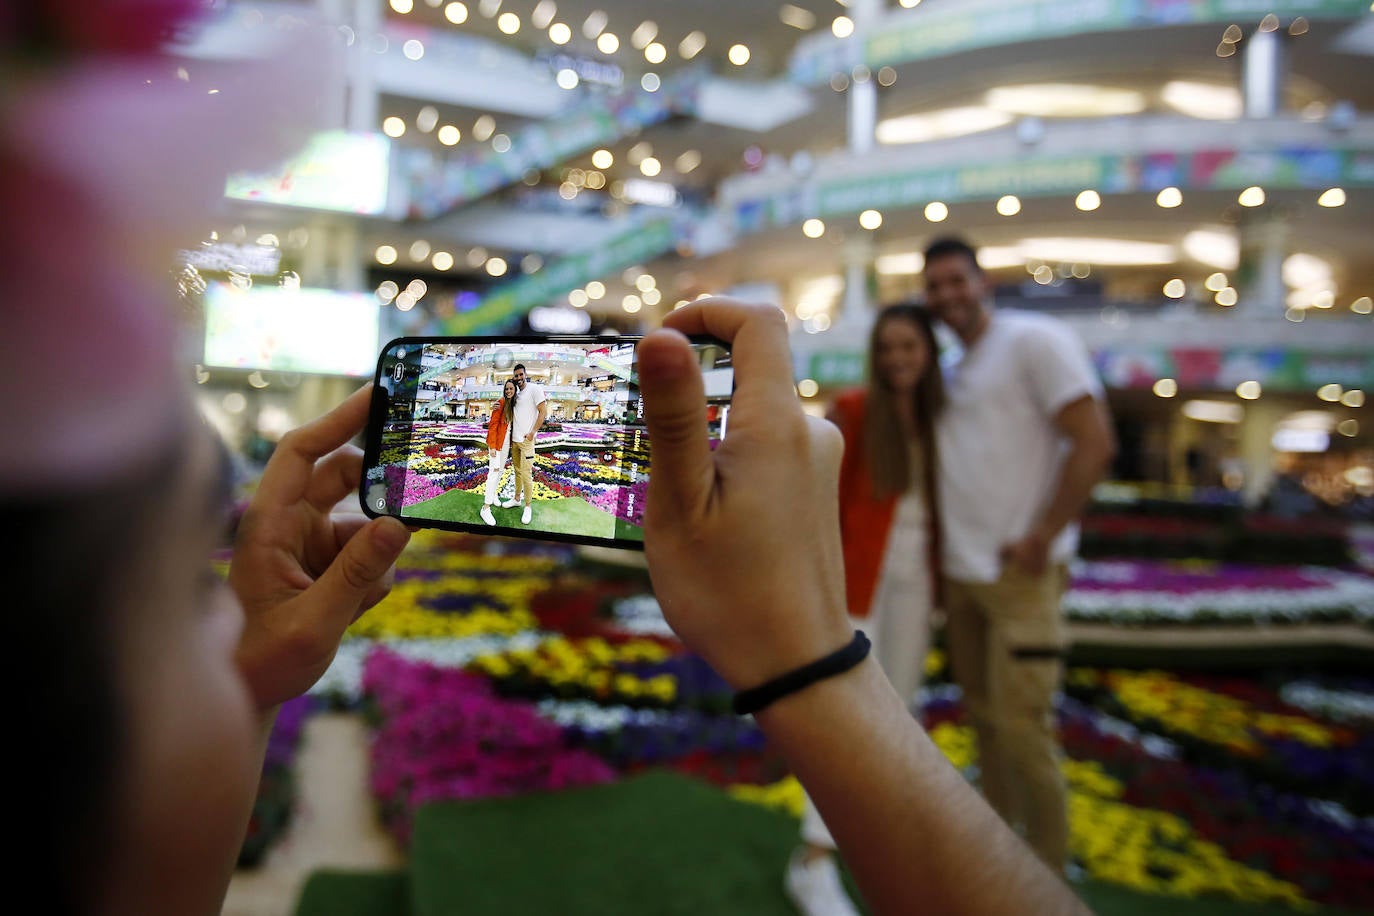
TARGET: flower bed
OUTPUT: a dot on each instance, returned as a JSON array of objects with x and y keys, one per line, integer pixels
[{"x": 1137, "y": 592}]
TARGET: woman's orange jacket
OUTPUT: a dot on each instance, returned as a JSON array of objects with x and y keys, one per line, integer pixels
[
  {"x": 866, "y": 518},
  {"x": 496, "y": 429}
]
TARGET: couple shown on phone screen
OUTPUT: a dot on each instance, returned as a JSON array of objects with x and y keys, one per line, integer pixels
[{"x": 511, "y": 432}]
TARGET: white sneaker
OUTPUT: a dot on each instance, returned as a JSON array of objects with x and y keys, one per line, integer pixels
[
  {"x": 815, "y": 888},
  {"x": 525, "y": 516},
  {"x": 510, "y": 504},
  {"x": 487, "y": 516}
]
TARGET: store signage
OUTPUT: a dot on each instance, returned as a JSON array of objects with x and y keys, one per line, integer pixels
[
  {"x": 1277, "y": 369},
  {"x": 1294, "y": 439},
  {"x": 836, "y": 367},
  {"x": 223, "y": 257},
  {"x": 436, "y": 185},
  {"x": 939, "y": 30},
  {"x": 596, "y": 72},
  {"x": 337, "y": 170},
  {"x": 635, "y": 246},
  {"x": 651, "y": 193}
]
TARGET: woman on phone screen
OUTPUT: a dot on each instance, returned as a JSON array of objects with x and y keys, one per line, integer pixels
[
  {"x": 890, "y": 539},
  {"x": 498, "y": 446}
]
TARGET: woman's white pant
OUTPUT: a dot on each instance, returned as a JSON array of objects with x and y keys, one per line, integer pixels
[{"x": 496, "y": 463}]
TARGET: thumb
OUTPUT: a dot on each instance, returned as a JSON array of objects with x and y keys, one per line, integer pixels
[
  {"x": 361, "y": 567},
  {"x": 681, "y": 470}
]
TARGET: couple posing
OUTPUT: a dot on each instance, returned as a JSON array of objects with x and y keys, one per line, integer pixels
[
  {"x": 511, "y": 431},
  {"x": 960, "y": 490}
]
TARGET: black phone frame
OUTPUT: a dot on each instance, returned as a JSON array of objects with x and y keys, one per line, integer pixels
[{"x": 377, "y": 412}]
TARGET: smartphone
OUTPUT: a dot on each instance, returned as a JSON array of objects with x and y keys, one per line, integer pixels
[{"x": 539, "y": 437}]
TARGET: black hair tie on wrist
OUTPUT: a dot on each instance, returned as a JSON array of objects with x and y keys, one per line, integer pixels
[{"x": 755, "y": 699}]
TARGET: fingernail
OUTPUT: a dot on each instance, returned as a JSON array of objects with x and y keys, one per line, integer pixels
[{"x": 390, "y": 535}]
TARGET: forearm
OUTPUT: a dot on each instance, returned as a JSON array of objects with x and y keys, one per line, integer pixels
[
  {"x": 917, "y": 837},
  {"x": 266, "y": 721}
]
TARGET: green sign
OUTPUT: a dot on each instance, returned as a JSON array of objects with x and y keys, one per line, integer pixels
[
  {"x": 639, "y": 244},
  {"x": 836, "y": 367},
  {"x": 936, "y": 30}
]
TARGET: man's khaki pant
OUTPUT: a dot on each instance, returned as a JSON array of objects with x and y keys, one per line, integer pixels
[
  {"x": 522, "y": 460},
  {"x": 1006, "y": 645}
]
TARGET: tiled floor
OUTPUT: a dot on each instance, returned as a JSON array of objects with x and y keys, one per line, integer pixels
[{"x": 334, "y": 824}]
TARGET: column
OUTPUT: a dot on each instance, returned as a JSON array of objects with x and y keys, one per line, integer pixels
[
  {"x": 1263, "y": 248},
  {"x": 863, "y": 92},
  {"x": 366, "y": 16},
  {"x": 1263, "y": 73},
  {"x": 857, "y": 306},
  {"x": 1257, "y": 449}
]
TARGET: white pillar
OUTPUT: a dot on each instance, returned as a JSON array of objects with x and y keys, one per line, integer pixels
[
  {"x": 863, "y": 90},
  {"x": 1257, "y": 448},
  {"x": 1263, "y": 74},
  {"x": 1263, "y": 248},
  {"x": 856, "y": 307},
  {"x": 366, "y": 16}
]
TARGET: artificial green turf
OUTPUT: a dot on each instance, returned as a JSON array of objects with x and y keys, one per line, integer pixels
[
  {"x": 655, "y": 844},
  {"x": 562, "y": 515},
  {"x": 355, "y": 893}
]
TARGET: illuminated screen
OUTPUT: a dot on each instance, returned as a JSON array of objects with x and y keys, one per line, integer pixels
[
  {"x": 442, "y": 449},
  {"x": 337, "y": 170},
  {"x": 291, "y": 330}
]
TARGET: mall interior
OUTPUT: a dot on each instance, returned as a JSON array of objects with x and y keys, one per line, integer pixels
[{"x": 1187, "y": 185}]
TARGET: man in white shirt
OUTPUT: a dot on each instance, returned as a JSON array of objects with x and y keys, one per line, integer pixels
[
  {"x": 1022, "y": 442},
  {"x": 531, "y": 407}
]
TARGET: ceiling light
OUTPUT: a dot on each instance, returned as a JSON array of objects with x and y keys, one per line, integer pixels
[
  {"x": 650, "y": 166},
  {"x": 413, "y": 49},
  {"x": 501, "y": 143},
  {"x": 739, "y": 55},
  {"x": 1175, "y": 288},
  {"x": 808, "y": 388},
  {"x": 483, "y": 128},
  {"x": 560, "y": 33},
  {"x": 594, "y": 24},
  {"x": 1109, "y": 252},
  {"x": 1214, "y": 247},
  {"x": 1252, "y": 196},
  {"x": 1353, "y": 398},
  {"x": 578, "y": 298},
  {"x": 1169, "y": 198},
  {"x": 650, "y": 82},
  {"x": 427, "y": 119},
  {"x": 1166, "y": 388},
  {"x": 603, "y": 159},
  {"x": 1213, "y": 411},
  {"x": 886, "y": 76},
  {"x": 596, "y": 289},
  {"x": 639, "y": 152},
  {"x": 1088, "y": 200},
  {"x": 796, "y": 17},
  {"x": 901, "y": 264},
  {"x": 688, "y": 161},
  {"x": 419, "y": 250},
  {"x": 644, "y": 33},
  {"x": 842, "y": 27},
  {"x": 449, "y": 135},
  {"x": 456, "y": 13},
  {"x": 1362, "y": 306},
  {"x": 402, "y": 6},
  {"x": 1303, "y": 271},
  {"x": 1249, "y": 391},
  {"x": 1064, "y": 100},
  {"x": 1203, "y": 100},
  {"x": 655, "y": 53},
  {"x": 543, "y": 14},
  {"x": 909, "y": 4},
  {"x": 394, "y": 127},
  {"x": 1232, "y": 35},
  {"x": 1332, "y": 197},
  {"x": 607, "y": 43},
  {"x": 1217, "y": 282},
  {"x": 870, "y": 219},
  {"x": 442, "y": 260},
  {"x": 387, "y": 291},
  {"x": 497, "y": 267},
  {"x": 813, "y": 228},
  {"x": 508, "y": 23},
  {"x": 386, "y": 254},
  {"x": 1348, "y": 428},
  {"x": 1009, "y": 205},
  {"x": 692, "y": 44},
  {"x": 941, "y": 124},
  {"x": 1227, "y": 297},
  {"x": 936, "y": 212},
  {"x": 566, "y": 78}
]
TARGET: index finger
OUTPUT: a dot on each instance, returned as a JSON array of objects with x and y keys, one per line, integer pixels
[
  {"x": 757, "y": 335},
  {"x": 289, "y": 469}
]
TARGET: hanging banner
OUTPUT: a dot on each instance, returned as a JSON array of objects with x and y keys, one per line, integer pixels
[{"x": 557, "y": 278}]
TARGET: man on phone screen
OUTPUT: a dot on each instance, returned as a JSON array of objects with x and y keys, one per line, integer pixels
[{"x": 531, "y": 407}]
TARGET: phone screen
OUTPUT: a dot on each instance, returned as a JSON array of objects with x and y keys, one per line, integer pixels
[{"x": 534, "y": 437}]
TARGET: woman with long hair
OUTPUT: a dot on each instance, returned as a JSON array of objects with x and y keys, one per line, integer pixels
[
  {"x": 498, "y": 446},
  {"x": 890, "y": 535}
]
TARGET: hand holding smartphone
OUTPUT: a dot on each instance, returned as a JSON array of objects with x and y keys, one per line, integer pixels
[{"x": 526, "y": 436}]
